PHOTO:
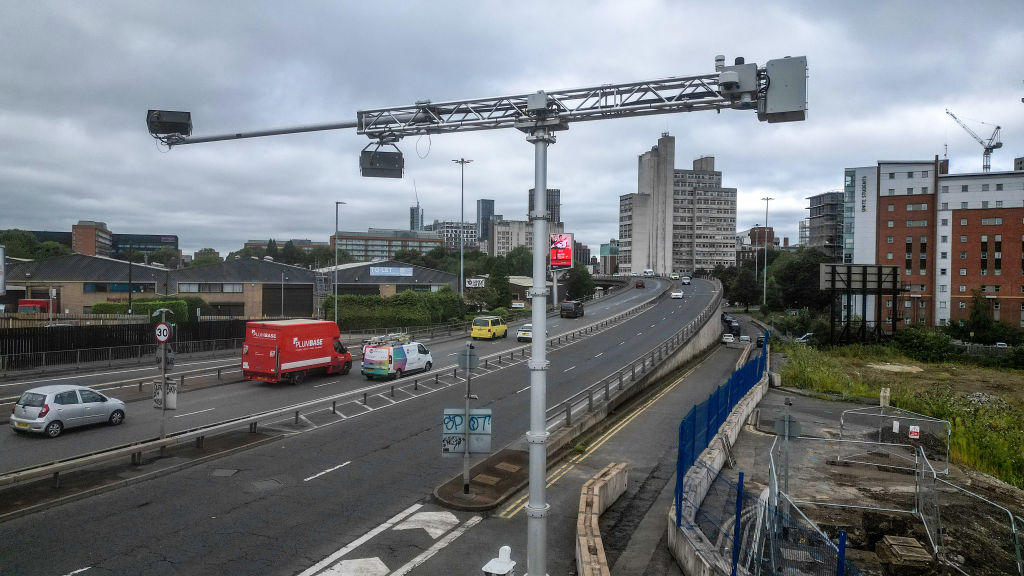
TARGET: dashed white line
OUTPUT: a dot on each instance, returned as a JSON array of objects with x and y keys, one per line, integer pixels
[
  {"x": 523, "y": 390},
  {"x": 599, "y": 354},
  {"x": 325, "y": 384},
  {"x": 639, "y": 333},
  {"x": 621, "y": 343},
  {"x": 77, "y": 571},
  {"x": 319, "y": 474},
  {"x": 192, "y": 413},
  {"x": 652, "y": 325},
  {"x": 569, "y": 368},
  {"x": 443, "y": 542}
]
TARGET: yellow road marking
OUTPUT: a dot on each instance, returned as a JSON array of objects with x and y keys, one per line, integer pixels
[{"x": 514, "y": 508}]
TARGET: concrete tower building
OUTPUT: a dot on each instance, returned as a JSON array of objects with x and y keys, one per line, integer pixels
[{"x": 678, "y": 220}]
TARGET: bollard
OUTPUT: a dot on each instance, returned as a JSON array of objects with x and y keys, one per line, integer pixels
[
  {"x": 181, "y": 384},
  {"x": 435, "y": 379},
  {"x": 499, "y": 359},
  {"x": 511, "y": 356},
  {"x": 296, "y": 417},
  {"x": 568, "y": 414},
  {"x": 392, "y": 391},
  {"x": 140, "y": 385},
  {"x": 218, "y": 373},
  {"x": 455, "y": 373},
  {"x": 364, "y": 398},
  {"x": 334, "y": 407},
  {"x": 416, "y": 384},
  {"x": 252, "y": 427},
  {"x": 199, "y": 441}
]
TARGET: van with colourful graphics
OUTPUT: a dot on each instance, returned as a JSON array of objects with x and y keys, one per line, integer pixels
[
  {"x": 395, "y": 360},
  {"x": 291, "y": 349}
]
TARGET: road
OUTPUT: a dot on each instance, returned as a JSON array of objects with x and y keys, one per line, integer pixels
[{"x": 284, "y": 507}]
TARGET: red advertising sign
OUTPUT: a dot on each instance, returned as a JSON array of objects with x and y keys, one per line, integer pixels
[{"x": 561, "y": 250}]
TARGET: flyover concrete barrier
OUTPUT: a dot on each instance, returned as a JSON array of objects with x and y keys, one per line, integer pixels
[
  {"x": 694, "y": 553},
  {"x": 596, "y": 496}
]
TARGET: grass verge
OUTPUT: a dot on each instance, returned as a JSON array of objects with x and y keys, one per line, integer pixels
[{"x": 984, "y": 405}]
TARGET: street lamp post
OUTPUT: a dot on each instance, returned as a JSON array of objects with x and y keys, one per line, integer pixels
[
  {"x": 283, "y": 278},
  {"x": 336, "y": 204},
  {"x": 764, "y": 295},
  {"x": 462, "y": 224}
]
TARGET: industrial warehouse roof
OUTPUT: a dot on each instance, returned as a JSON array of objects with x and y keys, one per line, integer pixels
[
  {"x": 81, "y": 268},
  {"x": 245, "y": 270},
  {"x": 388, "y": 272}
]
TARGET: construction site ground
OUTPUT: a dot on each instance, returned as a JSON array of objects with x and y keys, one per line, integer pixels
[{"x": 976, "y": 536}]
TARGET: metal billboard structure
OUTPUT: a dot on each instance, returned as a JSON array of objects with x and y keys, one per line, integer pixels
[{"x": 844, "y": 281}]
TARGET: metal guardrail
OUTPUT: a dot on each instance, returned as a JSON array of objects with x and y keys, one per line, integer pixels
[
  {"x": 136, "y": 449},
  {"x": 91, "y": 357}
]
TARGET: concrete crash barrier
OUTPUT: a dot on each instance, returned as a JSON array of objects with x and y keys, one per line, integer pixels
[
  {"x": 694, "y": 553},
  {"x": 597, "y": 495}
]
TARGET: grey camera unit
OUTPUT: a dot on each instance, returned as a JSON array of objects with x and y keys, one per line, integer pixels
[{"x": 164, "y": 122}]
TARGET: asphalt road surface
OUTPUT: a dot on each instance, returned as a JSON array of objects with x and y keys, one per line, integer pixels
[{"x": 285, "y": 507}]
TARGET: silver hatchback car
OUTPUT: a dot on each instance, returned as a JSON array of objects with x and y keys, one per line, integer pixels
[{"x": 50, "y": 409}]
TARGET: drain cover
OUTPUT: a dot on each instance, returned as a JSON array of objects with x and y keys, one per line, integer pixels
[
  {"x": 508, "y": 467},
  {"x": 266, "y": 484}
]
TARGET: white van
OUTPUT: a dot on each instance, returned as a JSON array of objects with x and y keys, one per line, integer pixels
[
  {"x": 395, "y": 360},
  {"x": 649, "y": 273}
]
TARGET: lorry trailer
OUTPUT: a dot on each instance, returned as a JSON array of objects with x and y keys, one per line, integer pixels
[{"x": 292, "y": 349}]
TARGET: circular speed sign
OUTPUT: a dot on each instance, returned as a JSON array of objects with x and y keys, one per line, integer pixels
[{"x": 163, "y": 332}]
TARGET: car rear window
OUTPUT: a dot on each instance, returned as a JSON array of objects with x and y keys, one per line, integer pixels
[
  {"x": 480, "y": 322},
  {"x": 32, "y": 399}
]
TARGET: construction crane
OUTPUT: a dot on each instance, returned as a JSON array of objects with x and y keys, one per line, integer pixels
[{"x": 989, "y": 145}]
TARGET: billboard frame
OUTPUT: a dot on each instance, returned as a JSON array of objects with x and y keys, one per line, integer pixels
[{"x": 559, "y": 245}]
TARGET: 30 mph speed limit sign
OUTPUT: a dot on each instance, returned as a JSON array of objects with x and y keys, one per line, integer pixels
[{"x": 163, "y": 332}]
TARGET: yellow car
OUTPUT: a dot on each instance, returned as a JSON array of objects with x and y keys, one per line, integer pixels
[
  {"x": 674, "y": 276},
  {"x": 489, "y": 327}
]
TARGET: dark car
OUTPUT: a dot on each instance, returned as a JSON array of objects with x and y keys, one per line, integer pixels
[
  {"x": 639, "y": 283},
  {"x": 760, "y": 340},
  {"x": 571, "y": 309}
]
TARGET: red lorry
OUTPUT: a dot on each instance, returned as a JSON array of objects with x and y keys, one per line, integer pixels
[{"x": 290, "y": 349}]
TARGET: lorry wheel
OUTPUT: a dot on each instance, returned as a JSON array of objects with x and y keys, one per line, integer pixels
[
  {"x": 298, "y": 377},
  {"x": 347, "y": 368}
]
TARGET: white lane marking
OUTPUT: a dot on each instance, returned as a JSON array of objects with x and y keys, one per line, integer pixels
[
  {"x": 433, "y": 523},
  {"x": 523, "y": 390},
  {"x": 201, "y": 411},
  {"x": 652, "y": 325},
  {"x": 79, "y": 570},
  {"x": 621, "y": 343},
  {"x": 437, "y": 547},
  {"x": 359, "y": 567},
  {"x": 639, "y": 333},
  {"x": 319, "y": 474},
  {"x": 598, "y": 354},
  {"x": 325, "y": 384},
  {"x": 359, "y": 541},
  {"x": 569, "y": 368}
]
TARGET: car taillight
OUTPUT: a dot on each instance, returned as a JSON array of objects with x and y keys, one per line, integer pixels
[
  {"x": 245, "y": 348},
  {"x": 44, "y": 411}
]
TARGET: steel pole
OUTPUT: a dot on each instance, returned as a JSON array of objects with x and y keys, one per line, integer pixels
[
  {"x": 764, "y": 294},
  {"x": 465, "y": 455},
  {"x": 163, "y": 382},
  {"x": 462, "y": 225},
  {"x": 537, "y": 436},
  {"x": 336, "y": 204}
]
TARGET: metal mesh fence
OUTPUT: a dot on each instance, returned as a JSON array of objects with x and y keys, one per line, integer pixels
[
  {"x": 885, "y": 424},
  {"x": 967, "y": 518}
]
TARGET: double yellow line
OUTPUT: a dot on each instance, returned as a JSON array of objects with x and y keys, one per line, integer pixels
[{"x": 555, "y": 475}]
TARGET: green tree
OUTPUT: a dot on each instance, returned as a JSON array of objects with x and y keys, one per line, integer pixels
[
  {"x": 498, "y": 281},
  {"x": 49, "y": 249},
  {"x": 165, "y": 255},
  {"x": 290, "y": 254},
  {"x": 414, "y": 257},
  {"x": 205, "y": 256},
  {"x": 19, "y": 243},
  {"x": 247, "y": 252},
  {"x": 800, "y": 271},
  {"x": 272, "y": 249},
  {"x": 744, "y": 288},
  {"x": 520, "y": 261},
  {"x": 579, "y": 282}
]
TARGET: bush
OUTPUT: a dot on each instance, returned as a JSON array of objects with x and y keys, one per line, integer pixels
[
  {"x": 500, "y": 312},
  {"x": 925, "y": 344},
  {"x": 401, "y": 310}
]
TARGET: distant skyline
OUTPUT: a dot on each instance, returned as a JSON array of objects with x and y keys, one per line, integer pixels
[{"x": 75, "y": 146}]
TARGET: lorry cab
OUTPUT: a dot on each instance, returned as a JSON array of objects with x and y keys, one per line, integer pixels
[
  {"x": 395, "y": 359},
  {"x": 571, "y": 309}
]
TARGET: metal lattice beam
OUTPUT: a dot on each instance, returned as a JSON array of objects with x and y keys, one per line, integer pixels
[{"x": 682, "y": 94}]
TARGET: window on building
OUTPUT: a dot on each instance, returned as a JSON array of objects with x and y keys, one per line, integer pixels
[
  {"x": 943, "y": 303},
  {"x": 944, "y": 255},
  {"x": 963, "y": 288},
  {"x": 889, "y": 239},
  {"x": 910, "y": 191},
  {"x": 942, "y": 271},
  {"x": 984, "y": 203},
  {"x": 924, "y": 190},
  {"x": 944, "y": 239},
  {"x": 999, "y": 203},
  {"x": 888, "y": 256},
  {"x": 991, "y": 221},
  {"x": 890, "y": 207},
  {"x": 963, "y": 271},
  {"x": 910, "y": 174},
  {"x": 999, "y": 187},
  {"x": 892, "y": 175},
  {"x": 984, "y": 187},
  {"x": 891, "y": 223},
  {"x": 945, "y": 221},
  {"x": 963, "y": 188},
  {"x": 188, "y": 287},
  {"x": 888, "y": 304},
  {"x": 924, "y": 174},
  {"x": 962, "y": 305},
  {"x": 945, "y": 189},
  {"x": 963, "y": 205},
  {"x": 945, "y": 205},
  {"x": 892, "y": 192},
  {"x": 963, "y": 238},
  {"x": 963, "y": 221},
  {"x": 919, "y": 305},
  {"x": 943, "y": 287}
]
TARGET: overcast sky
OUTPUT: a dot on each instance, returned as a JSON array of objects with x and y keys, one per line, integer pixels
[{"x": 76, "y": 79}]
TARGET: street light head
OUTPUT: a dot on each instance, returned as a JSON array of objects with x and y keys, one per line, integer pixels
[{"x": 167, "y": 122}]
